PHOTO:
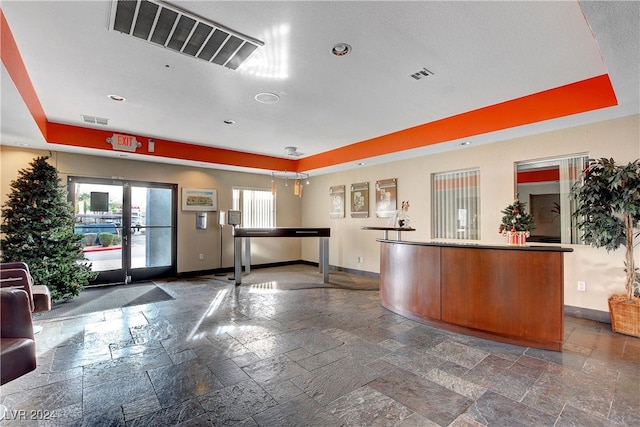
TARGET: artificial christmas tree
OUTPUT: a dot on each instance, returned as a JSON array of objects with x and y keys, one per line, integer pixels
[
  {"x": 38, "y": 228},
  {"x": 516, "y": 223}
]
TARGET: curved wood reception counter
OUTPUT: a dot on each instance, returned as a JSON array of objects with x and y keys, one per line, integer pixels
[{"x": 511, "y": 294}]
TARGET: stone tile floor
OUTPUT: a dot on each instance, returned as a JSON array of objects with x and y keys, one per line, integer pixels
[{"x": 258, "y": 355}]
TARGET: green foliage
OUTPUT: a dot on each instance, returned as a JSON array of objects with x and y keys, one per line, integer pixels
[
  {"x": 38, "y": 228},
  {"x": 608, "y": 198},
  {"x": 106, "y": 239},
  {"x": 515, "y": 218}
]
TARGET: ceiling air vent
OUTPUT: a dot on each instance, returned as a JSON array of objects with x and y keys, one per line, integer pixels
[
  {"x": 422, "y": 73},
  {"x": 95, "y": 120},
  {"x": 176, "y": 29}
]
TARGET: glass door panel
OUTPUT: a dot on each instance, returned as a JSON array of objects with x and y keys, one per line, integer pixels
[
  {"x": 98, "y": 212},
  {"x": 152, "y": 231},
  {"x": 128, "y": 228}
]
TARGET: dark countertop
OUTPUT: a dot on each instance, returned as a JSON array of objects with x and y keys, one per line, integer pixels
[{"x": 480, "y": 246}]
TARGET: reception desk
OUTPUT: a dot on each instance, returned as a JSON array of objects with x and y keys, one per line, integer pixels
[
  {"x": 508, "y": 294},
  {"x": 240, "y": 234}
]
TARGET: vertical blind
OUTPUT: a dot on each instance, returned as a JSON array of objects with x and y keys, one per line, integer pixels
[
  {"x": 456, "y": 205},
  {"x": 570, "y": 172},
  {"x": 257, "y": 206}
]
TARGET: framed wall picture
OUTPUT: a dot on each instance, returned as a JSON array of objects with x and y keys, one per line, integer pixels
[
  {"x": 199, "y": 199},
  {"x": 336, "y": 194},
  {"x": 386, "y": 198},
  {"x": 360, "y": 200}
]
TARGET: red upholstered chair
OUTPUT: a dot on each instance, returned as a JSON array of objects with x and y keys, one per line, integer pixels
[
  {"x": 17, "y": 344},
  {"x": 17, "y": 278},
  {"x": 17, "y": 275}
]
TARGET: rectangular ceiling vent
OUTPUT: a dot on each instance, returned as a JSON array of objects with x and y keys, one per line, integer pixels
[
  {"x": 95, "y": 120},
  {"x": 422, "y": 73},
  {"x": 176, "y": 29}
]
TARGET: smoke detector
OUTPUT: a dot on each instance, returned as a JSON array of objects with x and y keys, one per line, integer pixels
[
  {"x": 267, "y": 98},
  {"x": 292, "y": 152}
]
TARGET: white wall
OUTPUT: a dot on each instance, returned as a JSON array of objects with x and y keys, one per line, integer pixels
[{"x": 602, "y": 271}]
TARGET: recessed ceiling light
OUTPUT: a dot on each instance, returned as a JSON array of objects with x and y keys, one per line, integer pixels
[
  {"x": 340, "y": 49},
  {"x": 361, "y": 164},
  {"x": 229, "y": 122},
  {"x": 117, "y": 98},
  {"x": 465, "y": 143},
  {"x": 267, "y": 98}
]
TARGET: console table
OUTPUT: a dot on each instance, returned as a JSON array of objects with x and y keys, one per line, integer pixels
[
  {"x": 510, "y": 294},
  {"x": 247, "y": 233}
]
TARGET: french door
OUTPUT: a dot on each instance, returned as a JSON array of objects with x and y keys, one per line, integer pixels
[{"x": 128, "y": 227}]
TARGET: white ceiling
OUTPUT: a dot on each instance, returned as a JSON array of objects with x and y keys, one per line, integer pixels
[{"x": 480, "y": 53}]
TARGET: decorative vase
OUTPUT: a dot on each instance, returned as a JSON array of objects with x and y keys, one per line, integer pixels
[{"x": 516, "y": 238}]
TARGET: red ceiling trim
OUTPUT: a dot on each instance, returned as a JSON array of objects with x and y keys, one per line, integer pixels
[
  {"x": 586, "y": 95},
  {"x": 77, "y": 136},
  {"x": 12, "y": 61}
]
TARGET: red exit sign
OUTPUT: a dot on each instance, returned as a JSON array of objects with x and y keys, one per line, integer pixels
[{"x": 124, "y": 142}]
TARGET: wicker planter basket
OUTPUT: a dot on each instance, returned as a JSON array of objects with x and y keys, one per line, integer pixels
[{"x": 625, "y": 315}]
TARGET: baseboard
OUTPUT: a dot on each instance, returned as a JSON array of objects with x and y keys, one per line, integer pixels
[
  {"x": 362, "y": 273},
  {"x": 587, "y": 313}
]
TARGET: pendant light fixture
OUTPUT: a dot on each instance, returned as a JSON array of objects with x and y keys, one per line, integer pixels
[
  {"x": 273, "y": 184},
  {"x": 300, "y": 179}
]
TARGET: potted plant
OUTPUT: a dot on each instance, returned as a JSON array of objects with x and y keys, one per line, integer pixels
[
  {"x": 608, "y": 211},
  {"x": 516, "y": 224}
]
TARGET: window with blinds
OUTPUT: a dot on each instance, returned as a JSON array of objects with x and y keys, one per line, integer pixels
[
  {"x": 456, "y": 205},
  {"x": 258, "y": 207}
]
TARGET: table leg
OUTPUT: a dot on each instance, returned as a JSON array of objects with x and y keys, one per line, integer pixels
[
  {"x": 247, "y": 255},
  {"x": 324, "y": 258},
  {"x": 237, "y": 260},
  {"x": 320, "y": 255}
]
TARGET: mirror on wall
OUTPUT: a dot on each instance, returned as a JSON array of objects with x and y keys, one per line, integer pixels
[{"x": 544, "y": 185}]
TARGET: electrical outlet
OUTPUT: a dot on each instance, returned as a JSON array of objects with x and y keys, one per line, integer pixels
[
  {"x": 201, "y": 256},
  {"x": 582, "y": 286}
]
